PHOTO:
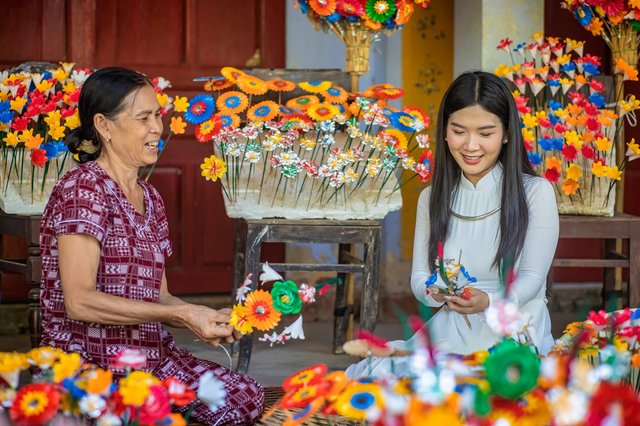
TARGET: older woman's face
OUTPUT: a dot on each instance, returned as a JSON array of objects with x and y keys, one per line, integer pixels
[
  {"x": 475, "y": 137},
  {"x": 137, "y": 129}
]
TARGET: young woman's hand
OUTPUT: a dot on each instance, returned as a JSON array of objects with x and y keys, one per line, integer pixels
[{"x": 477, "y": 302}]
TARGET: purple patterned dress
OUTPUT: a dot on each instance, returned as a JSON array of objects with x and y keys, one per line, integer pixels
[{"x": 133, "y": 252}]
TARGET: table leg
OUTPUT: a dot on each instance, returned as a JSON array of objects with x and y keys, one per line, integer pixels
[
  {"x": 371, "y": 281},
  {"x": 634, "y": 269},
  {"x": 340, "y": 310}
]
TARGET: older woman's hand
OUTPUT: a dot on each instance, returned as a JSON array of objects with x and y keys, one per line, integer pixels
[{"x": 209, "y": 325}]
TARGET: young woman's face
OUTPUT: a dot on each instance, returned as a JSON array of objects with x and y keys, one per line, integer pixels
[
  {"x": 136, "y": 130},
  {"x": 475, "y": 137}
]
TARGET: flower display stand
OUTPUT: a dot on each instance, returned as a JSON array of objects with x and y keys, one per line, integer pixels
[
  {"x": 608, "y": 229},
  {"x": 27, "y": 227},
  {"x": 251, "y": 233}
]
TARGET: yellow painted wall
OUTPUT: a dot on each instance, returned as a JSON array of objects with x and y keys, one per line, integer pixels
[{"x": 427, "y": 71}]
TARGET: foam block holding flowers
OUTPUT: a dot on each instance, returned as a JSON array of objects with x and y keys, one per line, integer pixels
[{"x": 325, "y": 154}]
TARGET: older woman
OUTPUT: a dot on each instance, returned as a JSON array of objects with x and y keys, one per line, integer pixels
[{"x": 104, "y": 242}]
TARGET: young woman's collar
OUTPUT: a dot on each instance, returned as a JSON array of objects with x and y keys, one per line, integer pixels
[{"x": 488, "y": 181}]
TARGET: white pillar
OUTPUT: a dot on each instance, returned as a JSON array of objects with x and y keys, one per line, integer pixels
[{"x": 481, "y": 24}]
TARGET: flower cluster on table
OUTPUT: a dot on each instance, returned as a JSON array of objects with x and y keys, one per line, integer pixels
[
  {"x": 569, "y": 124},
  {"x": 323, "y": 149},
  {"x": 79, "y": 392},
  {"x": 508, "y": 384},
  {"x": 607, "y": 18},
  {"x": 37, "y": 111}
]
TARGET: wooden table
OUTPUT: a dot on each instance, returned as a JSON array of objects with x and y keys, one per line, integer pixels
[
  {"x": 27, "y": 227},
  {"x": 250, "y": 234},
  {"x": 608, "y": 229}
]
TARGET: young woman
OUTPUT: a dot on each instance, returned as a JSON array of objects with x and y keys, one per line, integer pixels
[{"x": 486, "y": 206}]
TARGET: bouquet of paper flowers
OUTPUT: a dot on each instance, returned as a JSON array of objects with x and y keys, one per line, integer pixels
[
  {"x": 263, "y": 310},
  {"x": 327, "y": 153},
  {"x": 357, "y": 23},
  {"x": 570, "y": 123},
  {"x": 78, "y": 393},
  {"x": 37, "y": 110}
]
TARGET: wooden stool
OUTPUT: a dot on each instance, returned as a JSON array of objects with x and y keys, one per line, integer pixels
[
  {"x": 27, "y": 227},
  {"x": 620, "y": 226},
  {"x": 251, "y": 233}
]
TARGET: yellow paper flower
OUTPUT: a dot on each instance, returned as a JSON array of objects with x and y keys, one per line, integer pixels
[
  {"x": 598, "y": 169},
  {"x": 44, "y": 356},
  {"x": 17, "y": 104},
  {"x": 67, "y": 366},
  {"x": 252, "y": 85},
  {"x": 231, "y": 73},
  {"x": 11, "y": 139},
  {"x": 570, "y": 187},
  {"x": 315, "y": 86},
  {"x": 529, "y": 121},
  {"x": 573, "y": 172},
  {"x": 213, "y": 168},
  {"x": 135, "y": 387},
  {"x": 72, "y": 121},
  {"x": 177, "y": 125},
  {"x": 239, "y": 319},
  {"x": 322, "y": 112},
  {"x": 181, "y": 104},
  {"x": 44, "y": 85},
  {"x": 98, "y": 381},
  {"x": 614, "y": 173},
  {"x": 572, "y": 137},
  {"x": 53, "y": 118},
  {"x": 603, "y": 144},
  {"x": 634, "y": 147},
  {"x": 57, "y": 132},
  {"x": 631, "y": 104}
]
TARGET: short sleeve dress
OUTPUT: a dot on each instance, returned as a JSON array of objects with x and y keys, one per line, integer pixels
[{"x": 134, "y": 248}]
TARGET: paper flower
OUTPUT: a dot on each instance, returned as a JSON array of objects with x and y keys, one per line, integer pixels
[
  {"x": 211, "y": 391},
  {"x": 35, "y": 404},
  {"x": 220, "y": 83},
  {"x": 512, "y": 369},
  {"x": 92, "y": 405},
  {"x": 129, "y": 358},
  {"x": 231, "y": 74},
  {"x": 358, "y": 400},
  {"x": 279, "y": 85},
  {"x": 503, "y": 317},
  {"x": 295, "y": 330},
  {"x": 206, "y": 130},
  {"x": 239, "y": 319},
  {"x": 315, "y": 86},
  {"x": 380, "y": 10},
  {"x": 213, "y": 168},
  {"x": 201, "y": 108},
  {"x": 303, "y": 102},
  {"x": 260, "y": 310},
  {"x": 322, "y": 111},
  {"x": 66, "y": 366},
  {"x": 263, "y": 111},
  {"x": 285, "y": 297},
  {"x": 135, "y": 388},
  {"x": 251, "y": 85},
  {"x": 156, "y": 407},
  {"x": 232, "y": 102}
]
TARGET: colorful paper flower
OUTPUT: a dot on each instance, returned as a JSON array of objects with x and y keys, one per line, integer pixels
[
  {"x": 38, "y": 157},
  {"x": 252, "y": 85},
  {"x": 220, "y": 83},
  {"x": 239, "y": 319},
  {"x": 232, "y": 102},
  {"x": 335, "y": 95},
  {"x": 34, "y": 404},
  {"x": 317, "y": 87},
  {"x": 260, "y": 311},
  {"x": 308, "y": 376},
  {"x": 135, "y": 388},
  {"x": 380, "y": 10},
  {"x": 358, "y": 399},
  {"x": 350, "y": 8},
  {"x": 285, "y": 297},
  {"x": 229, "y": 120},
  {"x": 279, "y": 85},
  {"x": 322, "y": 112},
  {"x": 323, "y": 7},
  {"x": 303, "y": 102},
  {"x": 129, "y": 358},
  {"x": 231, "y": 74},
  {"x": 302, "y": 396},
  {"x": 213, "y": 168},
  {"x": 206, "y": 130},
  {"x": 201, "y": 108},
  {"x": 512, "y": 369},
  {"x": 263, "y": 111}
]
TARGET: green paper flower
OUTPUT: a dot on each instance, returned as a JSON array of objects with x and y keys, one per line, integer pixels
[
  {"x": 285, "y": 297},
  {"x": 512, "y": 369},
  {"x": 380, "y": 10}
]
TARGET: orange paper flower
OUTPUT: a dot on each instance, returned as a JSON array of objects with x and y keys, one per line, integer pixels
[
  {"x": 218, "y": 84},
  {"x": 322, "y": 112},
  {"x": 279, "y": 85},
  {"x": 323, "y": 7},
  {"x": 251, "y": 85},
  {"x": 260, "y": 310},
  {"x": 231, "y": 74},
  {"x": 263, "y": 111},
  {"x": 232, "y": 102},
  {"x": 303, "y": 102},
  {"x": 315, "y": 86}
]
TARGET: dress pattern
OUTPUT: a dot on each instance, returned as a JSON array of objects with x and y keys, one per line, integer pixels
[{"x": 133, "y": 252}]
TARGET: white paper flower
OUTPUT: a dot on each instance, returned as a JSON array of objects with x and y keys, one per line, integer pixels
[
  {"x": 92, "y": 405},
  {"x": 109, "y": 420},
  {"x": 269, "y": 274},
  {"x": 295, "y": 331},
  {"x": 211, "y": 391},
  {"x": 129, "y": 358},
  {"x": 307, "y": 293},
  {"x": 503, "y": 318},
  {"x": 245, "y": 288}
]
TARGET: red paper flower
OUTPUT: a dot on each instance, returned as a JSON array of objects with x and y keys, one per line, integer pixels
[
  {"x": 350, "y": 8},
  {"x": 35, "y": 404},
  {"x": 552, "y": 174},
  {"x": 38, "y": 157},
  {"x": 179, "y": 393},
  {"x": 155, "y": 407},
  {"x": 610, "y": 395},
  {"x": 570, "y": 152}
]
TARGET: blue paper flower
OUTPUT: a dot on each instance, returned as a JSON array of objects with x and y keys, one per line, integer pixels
[
  {"x": 558, "y": 144},
  {"x": 161, "y": 145},
  {"x": 546, "y": 143},
  {"x": 583, "y": 15},
  {"x": 569, "y": 66},
  {"x": 534, "y": 158},
  {"x": 226, "y": 119},
  {"x": 554, "y": 119},
  {"x": 334, "y": 17},
  {"x": 401, "y": 120},
  {"x": 201, "y": 108},
  {"x": 51, "y": 149},
  {"x": 597, "y": 100},
  {"x": 554, "y": 105},
  {"x": 589, "y": 68}
]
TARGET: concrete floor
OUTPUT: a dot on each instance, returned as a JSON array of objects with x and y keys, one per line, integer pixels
[{"x": 271, "y": 365}]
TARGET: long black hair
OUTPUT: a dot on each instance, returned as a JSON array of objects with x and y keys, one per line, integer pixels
[
  {"x": 490, "y": 93},
  {"x": 103, "y": 93}
]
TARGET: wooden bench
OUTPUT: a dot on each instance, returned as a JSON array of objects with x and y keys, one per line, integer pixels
[
  {"x": 250, "y": 234},
  {"x": 608, "y": 229}
]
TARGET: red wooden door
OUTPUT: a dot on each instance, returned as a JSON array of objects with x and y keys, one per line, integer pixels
[{"x": 179, "y": 40}]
